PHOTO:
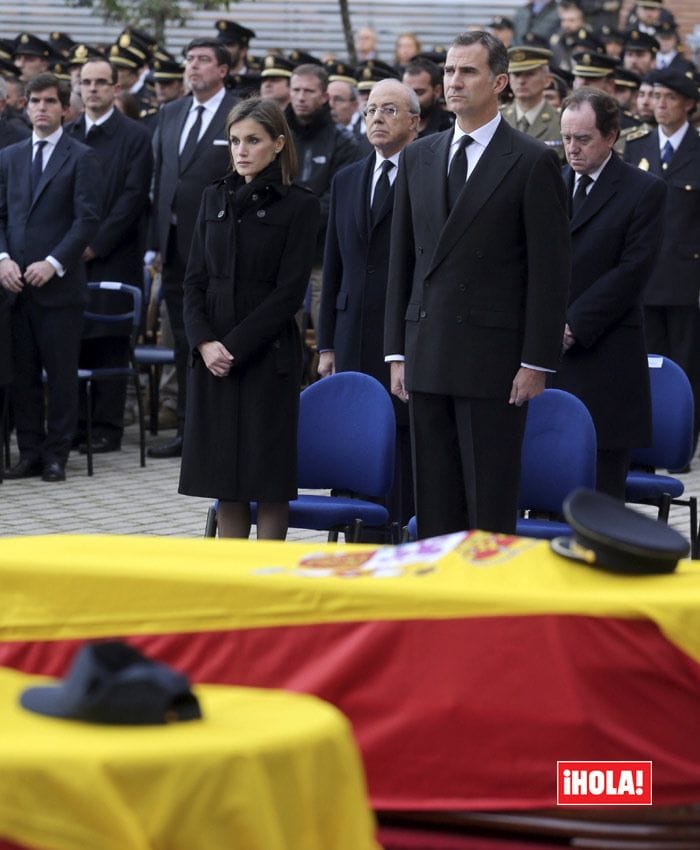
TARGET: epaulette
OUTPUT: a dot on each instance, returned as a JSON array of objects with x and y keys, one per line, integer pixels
[{"x": 631, "y": 134}]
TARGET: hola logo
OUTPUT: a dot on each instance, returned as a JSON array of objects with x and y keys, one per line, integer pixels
[{"x": 604, "y": 783}]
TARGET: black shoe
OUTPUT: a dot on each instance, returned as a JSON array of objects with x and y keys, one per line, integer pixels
[
  {"x": 24, "y": 468},
  {"x": 53, "y": 471},
  {"x": 168, "y": 448},
  {"x": 101, "y": 445}
]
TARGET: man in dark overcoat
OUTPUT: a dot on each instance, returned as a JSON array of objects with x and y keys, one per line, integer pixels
[
  {"x": 115, "y": 253},
  {"x": 191, "y": 151},
  {"x": 478, "y": 281},
  {"x": 672, "y": 151},
  {"x": 356, "y": 262},
  {"x": 616, "y": 230}
]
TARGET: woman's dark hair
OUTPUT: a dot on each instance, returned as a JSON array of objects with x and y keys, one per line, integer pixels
[
  {"x": 270, "y": 116},
  {"x": 605, "y": 107}
]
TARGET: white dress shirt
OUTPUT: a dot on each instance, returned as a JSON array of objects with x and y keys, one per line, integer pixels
[{"x": 210, "y": 108}]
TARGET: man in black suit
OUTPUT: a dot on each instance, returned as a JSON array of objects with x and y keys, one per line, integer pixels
[
  {"x": 616, "y": 230},
  {"x": 191, "y": 151},
  {"x": 672, "y": 151},
  {"x": 123, "y": 148},
  {"x": 356, "y": 262},
  {"x": 49, "y": 212},
  {"x": 11, "y": 129},
  {"x": 478, "y": 280}
]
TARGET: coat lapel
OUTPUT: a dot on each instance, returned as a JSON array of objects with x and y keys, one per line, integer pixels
[
  {"x": 494, "y": 164},
  {"x": 602, "y": 190},
  {"x": 433, "y": 180},
  {"x": 687, "y": 151},
  {"x": 55, "y": 163},
  {"x": 362, "y": 196}
]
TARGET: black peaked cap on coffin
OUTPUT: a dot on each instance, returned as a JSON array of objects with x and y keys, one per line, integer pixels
[
  {"x": 611, "y": 536},
  {"x": 113, "y": 683}
]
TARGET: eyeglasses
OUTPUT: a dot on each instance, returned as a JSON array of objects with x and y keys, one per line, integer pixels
[
  {"x": 388, "y": 111},
  {"x": 100, "y": 84}
]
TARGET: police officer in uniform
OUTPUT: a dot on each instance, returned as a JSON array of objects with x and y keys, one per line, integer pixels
[
  {"x": 244, "y": 77},
  {"x": 529, "y": 112}
]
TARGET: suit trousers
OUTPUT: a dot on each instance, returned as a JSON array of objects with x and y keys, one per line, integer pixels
[
  {"x": 466, "y": 463},
  {"x": 675, "y": 332},
  {"x": 612, "y": 466},
  {"x": 49, "y": 339},
  {"x": 174, "y": 266}
]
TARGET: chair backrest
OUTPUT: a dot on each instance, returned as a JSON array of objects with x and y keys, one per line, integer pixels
[
  {"x": 97, "y": 312},
  {"x": 347, "y": 434},
  {"x": 672, "y": 414},
  {"x": 559, "y": 451}
]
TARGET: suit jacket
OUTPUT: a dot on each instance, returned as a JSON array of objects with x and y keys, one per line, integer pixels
[
  {"x": 616, "y": 236},
  {"x": 60, "y": 220},
  {"x": 355, "y": 272},
  {"x": 473, "y": 295},
  {"x": 123, "y": 148},
  {"x": 12, "y": 131},
  {"x": 180, "y": 194},
  {"x": 676, "y": 276}
]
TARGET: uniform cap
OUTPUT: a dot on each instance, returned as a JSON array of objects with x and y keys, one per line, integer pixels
[
  {"x": 276, "y": 66},
  {"x": 231, "y": 32},
  {"x": 609, "y": 535},
  {"x": 526, "y": 58},
  {"x": 594, "y": 65}
]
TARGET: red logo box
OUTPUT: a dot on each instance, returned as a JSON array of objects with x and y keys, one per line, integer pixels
[{"x": 603, "y": 783}]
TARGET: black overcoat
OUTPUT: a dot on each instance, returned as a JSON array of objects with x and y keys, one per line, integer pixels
[{"x": 249, "y": 266}]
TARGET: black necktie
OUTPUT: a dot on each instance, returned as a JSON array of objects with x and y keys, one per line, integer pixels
[
  {"x": 580, "y": 194},
  {"x": 38, "y": 165},
  {"x": 381, "y": 190},
  {"x": 667, "y": 155},
  {"x": 191, "y": 141},
  {"x": 92, "y": 132},
  {"x": 457, "y": 175}
]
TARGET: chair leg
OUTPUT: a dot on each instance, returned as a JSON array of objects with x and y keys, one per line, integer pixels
[
  {"x": 356, "y": 531},
  {"x": 88, "y": 425},
  {"x": 694, "y": 546},
  {"x": 333, "y": 536},
  {"x": 153, "y": 398},
  {"x": 5, "y": 427},
  {"x": 664, "y": 507},
  {"x": 142, "y": 422},
  {"x": 210, "y": 526}
]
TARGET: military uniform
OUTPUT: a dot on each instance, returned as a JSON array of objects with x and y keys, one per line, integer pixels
[{"x": 545, "y": 127}]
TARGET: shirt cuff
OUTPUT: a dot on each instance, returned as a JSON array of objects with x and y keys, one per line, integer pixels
[
  {"x": 60, "y": 271},
  {"x": 394, "y": 358},
  {"x": 537, "y": 368},
  {"x": 5, "y": 256}
]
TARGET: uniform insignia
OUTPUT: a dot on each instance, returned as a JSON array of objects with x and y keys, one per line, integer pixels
[
  {"x": 545, "y": 116},
  {"x": 114, "y": 50},
  {"x": 518, "y": 56},
  {"x": 586, "y": 58},
  {"x": 634, "y": 35},
  {"x": 367, "y": 74},
  {"x": 630, "y": 134},
  {"x": 269, "y": 61},
  {"x": 222, "y": 25},
  {"x": 124, "y": 39},
  {"x": 81, "y": 52},
  {"x": 644, "y": 164},
  {"x": 25, "y": 38}
]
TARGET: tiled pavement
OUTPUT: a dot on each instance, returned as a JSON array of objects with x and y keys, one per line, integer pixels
[{"x": 123, "y": 498}]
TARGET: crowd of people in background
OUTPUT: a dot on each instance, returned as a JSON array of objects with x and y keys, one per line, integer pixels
[{"x": 115, "y": 155}]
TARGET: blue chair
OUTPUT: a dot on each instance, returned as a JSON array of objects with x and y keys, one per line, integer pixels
[
  {"x": 150, "y": 355},
  {"x": 346, "y": 444},
  {"x": 131, "y": 320},
  {"x": 559, "y": 455},
  {"x": 672, "y": 411}
]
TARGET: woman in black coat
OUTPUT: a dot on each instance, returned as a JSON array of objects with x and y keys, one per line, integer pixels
[{"x": 247, "y": 273}]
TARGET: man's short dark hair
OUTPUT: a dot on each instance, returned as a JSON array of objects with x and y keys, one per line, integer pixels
[
  {"x": 605, "y": 107},
  {"x": 223, "y": 57},
  {"x": 498, "y": 55},
  {"x": 112, "y": 68},
  {"x": 49, "y": 81},
  {"x": 311, "y": 70},
  {"x": 419, "y": 65}
]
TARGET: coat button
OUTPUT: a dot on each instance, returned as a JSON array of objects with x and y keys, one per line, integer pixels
[
  {"x": 423, "y": 314},
  {"x": 260, "y": 213},
  {"x": 254, "y": 197},
  {"x": 479, "y": 255},
  {"x": 370, "y": 269},
  {"x": 221, "y": 214},
  {"x": 462, "y": 287},
  {"x": 420, "y": 249},
  {"x": 458, "y": 319}
]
